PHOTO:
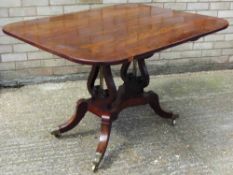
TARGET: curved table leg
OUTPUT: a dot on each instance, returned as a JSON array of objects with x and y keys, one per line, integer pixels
[
  {"x": 153, "y": 100},
  {"x": 81, "y": 109},
  {"x": 106, "y": 124}
]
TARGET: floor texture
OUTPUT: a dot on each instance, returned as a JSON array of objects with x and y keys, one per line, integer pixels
[{"x": 141, "y": 142}]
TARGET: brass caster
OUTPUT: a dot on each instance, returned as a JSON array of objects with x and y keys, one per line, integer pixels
[
  {"x": 96, "y": 162},
  {"x": 56, "y": 133},
  {"x": 174, "y": 117},
  {"x": 173, "y": 122},
  {"x": 94, "y": 168}
]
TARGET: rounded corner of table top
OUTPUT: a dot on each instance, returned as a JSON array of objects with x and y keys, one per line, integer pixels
[
  {"x": 5, "y": 28},
  {"x": 9, "y": 29},
  {"x": 225, "y": 23},
  {"x": 9, "y": 26}
]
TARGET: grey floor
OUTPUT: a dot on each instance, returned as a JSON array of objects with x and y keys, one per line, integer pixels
[{"x": 140, "y": 143}]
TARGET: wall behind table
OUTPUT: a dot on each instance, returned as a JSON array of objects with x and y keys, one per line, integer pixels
[{"x": 22, "y": 63}]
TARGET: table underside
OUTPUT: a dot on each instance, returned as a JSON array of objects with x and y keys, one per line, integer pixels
[{"x": 107, "y": 102}]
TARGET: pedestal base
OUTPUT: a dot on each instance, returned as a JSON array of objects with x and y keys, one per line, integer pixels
[{"x": 107, "y": 103}]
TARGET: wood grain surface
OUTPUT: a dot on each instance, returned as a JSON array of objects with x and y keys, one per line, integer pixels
[{"x": 115, "y": 34}]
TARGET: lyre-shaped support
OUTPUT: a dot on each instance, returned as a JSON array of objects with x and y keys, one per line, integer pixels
[
  {"x": 104, "y": 72},
  {"x": 91, "y": 80},
  {"x": 144, "y": 72},
  {"x": 101, "y": 77},
  {"x": 111, "y": 87},
  {"x": 135, "y": 67},
  {"x": 134, "y": 83}
]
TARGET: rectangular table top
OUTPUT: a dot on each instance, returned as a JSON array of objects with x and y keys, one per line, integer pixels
[{"x": 114, "y": 34}]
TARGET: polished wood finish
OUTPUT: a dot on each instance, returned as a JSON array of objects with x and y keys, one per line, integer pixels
[
  {"x": 81, "y": 110},
  {"x": 114, "y": 34},
  {"x": 106, "y": 124},
  {"x": 108, "y": 103}
]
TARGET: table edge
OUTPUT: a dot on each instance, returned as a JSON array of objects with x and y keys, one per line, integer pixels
[{"x": 119, "y": 61}]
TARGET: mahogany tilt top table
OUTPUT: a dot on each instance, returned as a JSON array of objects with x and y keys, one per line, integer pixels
[{"x": 119, "y": 34}]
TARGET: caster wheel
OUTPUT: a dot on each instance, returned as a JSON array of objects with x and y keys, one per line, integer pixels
[
  {"x": 96, "y": 162},
  {"x": 175, "y": 116},
  {"x": 56, "y": 133},
  {"x": 94, "y": 168},
  {"x": 173, "y": 122}
]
